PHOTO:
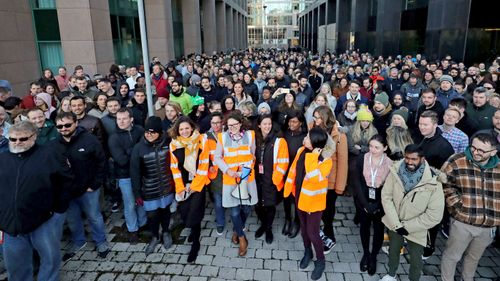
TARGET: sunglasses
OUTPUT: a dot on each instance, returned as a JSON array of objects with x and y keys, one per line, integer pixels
[
  {"x": 67, "y": 125},
  {"x": 20, "y": 139}
]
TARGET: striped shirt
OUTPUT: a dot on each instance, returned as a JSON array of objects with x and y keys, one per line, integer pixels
[{"x": 458, "y": 139}]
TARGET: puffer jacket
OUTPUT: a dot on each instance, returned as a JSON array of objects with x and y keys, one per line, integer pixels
[
  {"x": 121, "y": 145},
  {"x": 150, "y": 170},
  {"x": 418, "y": 210}
]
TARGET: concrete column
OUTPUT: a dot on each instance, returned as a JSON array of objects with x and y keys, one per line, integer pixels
[
  {"x": 160, "y": 29},
  {"x": 343, "y": 24},
  {"x": 236, "y": 30},
  {"x": 209, "y": 28},
  {"x": 191, "y": 26},
  {"x": 18, "y": 51},
  {"x": 229, "y": 28},
  {"x": 221, "y": 26},
  {"x": 86, "y": 38}
]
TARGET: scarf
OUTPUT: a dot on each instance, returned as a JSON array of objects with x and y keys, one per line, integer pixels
[
  {"x": 350, "y": 116},
  {"x": 408, "y": 178},
  {"x": 375, "y": 172},
  {"x": 191, "y": 146}
]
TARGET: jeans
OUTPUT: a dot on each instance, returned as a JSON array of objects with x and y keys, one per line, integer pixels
[
  {"x": 220, "y": 215},
  {"x": 89, "y": 204},
  {"x": 415, "y": 250},
  {"x": 239, "y": 215},
  {"x": 135, "y": 216},
  {"x": 46, "y": 240},
  {"x": 468, "y": 242}
]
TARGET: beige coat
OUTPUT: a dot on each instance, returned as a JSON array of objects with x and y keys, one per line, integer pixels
[{"x": 418, "y": 210}]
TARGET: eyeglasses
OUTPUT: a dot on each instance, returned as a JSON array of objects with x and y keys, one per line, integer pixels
[
  {"x": 20, "y": 139},
  {"x": 233, "y": 125},
  {"x": 67, "y": 125},
  {"x": 473, "y": 148}
]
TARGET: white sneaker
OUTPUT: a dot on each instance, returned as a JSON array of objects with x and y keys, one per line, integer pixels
[{"x": 387, "y": 277}]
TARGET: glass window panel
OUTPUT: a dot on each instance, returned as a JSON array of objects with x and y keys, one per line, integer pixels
[
  {"x": 46, "y": 25},
  {"x": 51, "y": 55}
]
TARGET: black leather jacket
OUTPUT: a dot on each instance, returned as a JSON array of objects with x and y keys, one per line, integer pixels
[{"x": 150, "y": 170}]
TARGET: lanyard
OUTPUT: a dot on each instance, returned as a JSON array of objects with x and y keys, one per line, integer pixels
[{"x": 373, "y": 173}]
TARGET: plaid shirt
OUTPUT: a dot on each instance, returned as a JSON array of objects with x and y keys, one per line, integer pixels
[
  {"x": 472, "y": 194},
  {"x": 458, "y": 139}
]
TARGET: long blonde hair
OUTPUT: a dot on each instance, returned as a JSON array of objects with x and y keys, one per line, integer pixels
[
  {"x": 398, "y": 137},
  {"x": 359, "y": 134}
]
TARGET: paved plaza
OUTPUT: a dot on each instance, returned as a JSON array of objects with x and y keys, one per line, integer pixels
[{"x": 218, "y": 258}]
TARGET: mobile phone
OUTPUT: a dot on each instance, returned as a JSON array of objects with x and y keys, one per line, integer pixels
[{"x": 285, "y": 91}]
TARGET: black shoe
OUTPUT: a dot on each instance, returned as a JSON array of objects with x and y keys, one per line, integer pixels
[
  {"x": 260, "y": 232},
  {"x": 319, "y": 268},
  {"x": 193, "y": 253},
  {"x": 286, "y": 228},
  {"x": 167, "y": 240},
  {"x": 104, "y": 253},
  {"x": 363, "y": 265},
  {"x": 133, "y": 238},
  {"x": 152, "y": 245},
  {"x": 295, "y": 229},
  {"x": 427, "y": 253},
  {"x": 372, "y": 265},
  {"x": 269, "y": 236},
  {"x": 308, "y": 254}
]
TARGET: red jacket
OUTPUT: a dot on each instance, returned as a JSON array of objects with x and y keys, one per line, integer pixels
[
  {"x": 161, "y": 82},
  {"x": 28, "y": 102}
]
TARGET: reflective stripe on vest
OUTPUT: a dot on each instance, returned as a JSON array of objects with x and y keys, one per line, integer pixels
[{"x": 313, "y": 192}]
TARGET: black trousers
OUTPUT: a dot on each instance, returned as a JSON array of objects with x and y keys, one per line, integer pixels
[
  {"x": 329, "y": 214},
  {"x": 266, "y": 215},
  {"x": 365, "y": 224},
  {"x": 288, "y": 207},
  {"x": 159, "y": 217}
]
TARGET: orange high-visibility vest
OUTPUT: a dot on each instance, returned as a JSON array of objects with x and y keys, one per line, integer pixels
[
  {"x": 281, "y": 162},
  {"x": 238, "y": 154},
  {"x": 200, "y": 178},
  {"x": 315, "y": 185},
  {"x": 211, "y": 145}
]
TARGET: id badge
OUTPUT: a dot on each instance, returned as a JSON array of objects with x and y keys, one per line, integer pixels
[
  {"x": 371, "y": 193},
  {"x": 261, "y": 169}
]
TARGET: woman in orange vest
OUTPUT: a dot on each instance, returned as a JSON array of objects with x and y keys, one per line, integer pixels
[
  {"x": 235, "y": 157},
  {"x": 189, "y": 165},
  {"x": 308, "y": 182},
  {"x": 337, "y": 179},
  {"x": 272, "y": 164}
]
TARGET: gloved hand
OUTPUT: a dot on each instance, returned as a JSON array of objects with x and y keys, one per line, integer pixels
[
  {"x": 139, "y": 201},
  {"x": 372, "y": 208},
  {"x": 402, "y": 231}
]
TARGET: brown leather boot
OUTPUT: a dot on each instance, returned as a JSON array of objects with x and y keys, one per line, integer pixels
[
  {"x": 243, "y": 246},
  {"x": 234, "y": 238}
]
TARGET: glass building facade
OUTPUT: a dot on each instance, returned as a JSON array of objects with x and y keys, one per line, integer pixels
[{"x": 125, "y": 31}]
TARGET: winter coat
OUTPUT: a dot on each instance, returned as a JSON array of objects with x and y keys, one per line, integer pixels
[
  {"x": 47, "y": 133},
  {"x": 382, "y": 120},
  {"x": 87, "y": 159},
  {"x": 160, "y": 81},
  {"x": 418, "y": 210},
  {"x": 252, "y": 90},
  {"x": 94, "y": 126},
  {"x": 411, "y": 94},
  {"x": 436, "y": 149},
  {"x": 150, "y": 170},
  {"x": 35, "y": 184},
  {"x": 139, "y": 112},
  {"x": 121, "y": 145},
  {"x": 445, "y": 97},
  {"x": 184, "y": 100},
  {"x": 483, "y": 115},
  {"x": 337, "y": 179}
]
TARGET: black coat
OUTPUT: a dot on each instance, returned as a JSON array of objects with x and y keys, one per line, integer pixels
[
  {"x": 252, "y": 90},
  {"x": 87, "y": 159},
  {"x": 35, "y": 184},
  {"x": 361, "y": 190},
  {"x": 267, "y": 191},
  {"x": 121, "y": 145},
  {"x": 150, "y": 170},
  {"x": 436, "y": 149}
]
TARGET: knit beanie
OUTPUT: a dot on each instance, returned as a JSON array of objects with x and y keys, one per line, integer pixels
[
  {"x": 263, "y": 105},
  {"x": 383, "y": 98},
  {"x": 153, "y": 124},
  {"x": 403, "y": 112},
  {"x": 364, "y": 114},
  {"x": 446, "y": 78},
  {"x": 162, "y": 93}
]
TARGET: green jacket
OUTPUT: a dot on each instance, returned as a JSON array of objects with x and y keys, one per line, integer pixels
[
  {"x": 47, "y": 133},
  {"x": 184, "y": 100},
  {"x": 418, "y": 210},
  {"x": 483, "y": 115}
]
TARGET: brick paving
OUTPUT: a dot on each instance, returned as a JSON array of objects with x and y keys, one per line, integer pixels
[{"x": 218, "y": 259}]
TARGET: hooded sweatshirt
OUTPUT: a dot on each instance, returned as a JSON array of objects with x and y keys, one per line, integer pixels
[{"x": 47, "y": 99}]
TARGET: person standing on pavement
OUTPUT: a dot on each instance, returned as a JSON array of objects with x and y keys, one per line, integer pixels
[
  {"x": 33, "y": 202},
  {"x": 152, "y": 181},
  {"x": 307, "y": 180},
  {"x": 88, "y": 161},
  {"x": 120, "y": 147},
  {"x": 189, "y": 164},
  {"x": 472, "y": 200},
  {"x": 413, "y": 203}
]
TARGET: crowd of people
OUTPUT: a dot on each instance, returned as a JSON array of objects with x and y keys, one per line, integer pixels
[{"x": 414, "y": 142}]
